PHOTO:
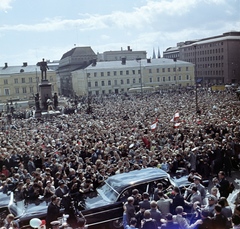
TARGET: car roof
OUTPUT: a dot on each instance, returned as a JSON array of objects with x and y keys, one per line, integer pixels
[{"x": 123, "y": 180}]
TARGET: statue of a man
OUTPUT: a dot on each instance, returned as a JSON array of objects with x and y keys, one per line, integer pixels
[{"x": 43, "y": 68}]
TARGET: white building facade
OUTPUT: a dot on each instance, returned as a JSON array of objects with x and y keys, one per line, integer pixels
[{"x": 122, "y": 76}]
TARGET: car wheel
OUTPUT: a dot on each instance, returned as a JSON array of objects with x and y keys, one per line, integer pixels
[{"x": 116, "y": 224}]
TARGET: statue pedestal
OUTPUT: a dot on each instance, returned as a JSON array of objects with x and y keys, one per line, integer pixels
[
  {"x": 38, "y": 114},
  {"x": 45, "y": 89}
]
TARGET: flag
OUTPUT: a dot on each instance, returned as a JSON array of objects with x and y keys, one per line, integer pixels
[
  {"x": 176, "y": 125},
  {"x": 175, "y": 117},
  {"x": 154, "y": 125}
]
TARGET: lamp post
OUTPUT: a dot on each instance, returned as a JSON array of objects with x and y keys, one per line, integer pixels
[
  {"x": 140, "y": 64},
  {"x": 88, "y": 96},
  {"x": 195, "y": 74},
  {"x": 175, "y": 60}
]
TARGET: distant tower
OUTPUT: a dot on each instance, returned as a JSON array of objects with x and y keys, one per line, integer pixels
[
  {"x": 159, "y": 55},
  {"x": 154, "y": 55}
]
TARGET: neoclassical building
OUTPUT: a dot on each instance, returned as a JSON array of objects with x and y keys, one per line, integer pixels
[
  {"x": 128, "y": 75},
  {"x": 21, "y": 82}
]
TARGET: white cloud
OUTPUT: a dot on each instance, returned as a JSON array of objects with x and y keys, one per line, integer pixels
[{"x": 5, "y": 5}]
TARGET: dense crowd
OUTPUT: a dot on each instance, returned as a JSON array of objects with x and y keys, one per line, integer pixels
[{"x": 76, "y": 152}]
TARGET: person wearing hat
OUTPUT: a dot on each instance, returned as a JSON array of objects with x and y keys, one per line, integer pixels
[
  {"x": 211, "y": 205},
  {"x": 53, "y": 210},
  {"x": 200, "y": 188},
  {"x": 55, "y": 224}
]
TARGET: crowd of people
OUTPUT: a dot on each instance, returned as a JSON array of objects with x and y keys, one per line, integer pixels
[{"x": 76, "y": 152}]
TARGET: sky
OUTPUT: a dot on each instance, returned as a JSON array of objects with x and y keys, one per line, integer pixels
[{"x": 34, "y": 29}]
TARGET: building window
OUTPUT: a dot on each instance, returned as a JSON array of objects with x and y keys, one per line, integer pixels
[
  {"x": 115, "y": 73},
  {"x": 96, "y": 83},
  {"x": 127, "y": 72},
  {"x": 103, "y": 83},
  {"x": 109, "y": 82},
  {"x": 5, "y": 81},
  {"x": 121, "y": 73},
  {"x": 150, "y": 70},
  {"x": 157, "y": 70},
  {"x": 23, "y": 80},
  {"x": 187, "y": 77},
  {"x": 163, "y": 70},
  {"x": 122, "y": 82},
  {"x": 108, "y": 74},
  {"x": 110, "y": 91},
  {"x": 6, "y": 91},
  {"x": 95, "y": 74},
  {"x": 158, "y": 79},
  {"x": 169, "y": 78},
  {"x": 102, "y": 73},
  {"x": 88, "y": 75},
  {"x": 179, "y": 69},
  {"x": 168, "y": 70},
  {"x": 174, "y": 78},
  {"x": 89, "y": 84},
  {"x": 115, "y": 82},
  {"x": 17, "y": 90},
  {"x": 134, "y": 80},
  {"x": 179, "y": 77},
  {"x": 31, "y": 89},
  {"x": 103, "y": 92},
  {"x": 15, "y": 81},
  {"x": 24, "y": 90},
  {"x": 133, "y": 72},
  {"x": 150, "y": 79},
  {"x": 128, "y": 81},
  {"x": 139, "y": 71},
  {"x": 140, "y": 80},
  {"x": 30, "y": 79}
]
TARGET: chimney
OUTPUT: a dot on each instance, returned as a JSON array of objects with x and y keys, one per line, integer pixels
[
  {"x": 94, "y": 62},
  {"x": 6, "y": 65},
  {"x": 148, "y": 60},
  {"x": 24, "y": 64},
  {"x": 123, "y": 60}
]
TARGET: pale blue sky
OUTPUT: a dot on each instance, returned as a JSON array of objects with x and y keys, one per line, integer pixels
[{"x": 34, "y": 29}]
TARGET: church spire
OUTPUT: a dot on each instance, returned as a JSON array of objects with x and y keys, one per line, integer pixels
[
  {"x": 154, "y": 55},
  {"x": 159, "y": 55}
]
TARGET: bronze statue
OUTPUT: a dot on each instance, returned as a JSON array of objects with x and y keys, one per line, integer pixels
[{"x": 43, "y": 67}]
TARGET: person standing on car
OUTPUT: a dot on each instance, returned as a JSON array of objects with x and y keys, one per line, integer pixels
[{"x": 53, "y": 210}]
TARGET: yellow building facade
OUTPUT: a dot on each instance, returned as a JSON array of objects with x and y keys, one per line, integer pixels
[{"x": 18, "y": 83}]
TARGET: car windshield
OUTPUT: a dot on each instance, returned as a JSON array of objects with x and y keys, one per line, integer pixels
[
  {"x": 16, "y": 208},
  {"x": 107, "y": 192}
]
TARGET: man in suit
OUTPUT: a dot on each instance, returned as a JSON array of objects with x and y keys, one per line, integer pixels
[
  {"x": 53, "y": 210},
  {"x": 178, "y": 200},
  {"x": 223, "y": 185}
]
